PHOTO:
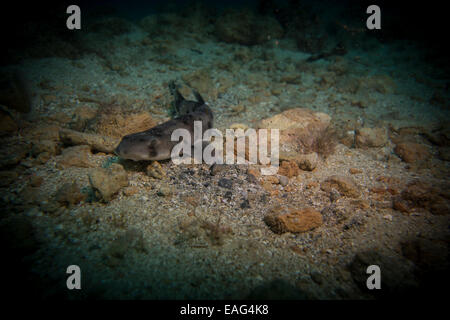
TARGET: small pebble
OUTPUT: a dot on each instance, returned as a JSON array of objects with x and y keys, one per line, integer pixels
[
  {"x": 216, "y": 169},
  {"x": 283, "y": 180}
]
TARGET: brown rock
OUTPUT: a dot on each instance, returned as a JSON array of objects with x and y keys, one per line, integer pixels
[
  {"x": 107, "y": 182},
  {"x": 355, "y": 170},
  {"x": 307, "y": 162},
  {"x": 116, "y": 124},
  {"x": 255, "y": 172},
  {"x": 155, "y": 170},
  {"x": 81, "y": 116},
  {"x": 70, "y": 194},
  {"x": 77, "y": 156},
  {"x": 312, "y": 185},
  {"x": 420, "y": 194},
  {"x": 267, "y": 186},
  {"x": 411, "y": 152},
  {"x": 302, "y": 131},
  {"x": 370, "y": 137},
  {"x": 131, "y": 190},
  {"x": 289, "y": 169},
  {"x": 41, "y": 133},
  {"x": 295, "y": 221},
  {"x": 12, "y": 153},
  {"x": 43, "y": 157},
  {"x": 60, "y": 117},
  {"x": 272, "y": 179},
  {"x": 345, "y": 185},
  {"x": 49, "y": 146},
  {"x": 95, "y": 141}
]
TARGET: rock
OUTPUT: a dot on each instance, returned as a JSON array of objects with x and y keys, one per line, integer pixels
[
  {"x": 371, "y": 137},
  {"x": 411, "y": 152},
  {"x": 345, "y": 185},
  {"x": 155, "y": 170},
  {"x": 116, "y": 124},
  {"x": 225, "y": 183},
  {"x": 130, "y": 190},
  {"x": 267, "y": 186},
  {"x": 43, "y": 157},
  {"x": 165, "y": 190},
  {"x": 48, "y": 146},
  {"x": 12, "y": 153},
  {"x": 253, "y": 175},
  {"x": 420, "y": 194},
  {"x": 81, "y": 116},
  {"x": 95, "y": 141},
  {"x": 77, "y": 156},
  {"x": 215, "y": 169},
  {"x": 397, "y": 273},
  {"x": 247, "y": 28},
  {"x": 70, "y": 194},
  {"x": 295, "y": 221},
  {"x": 43, "y": 132},
  {"x": 307, "y": 162},
  {"x": 61, "y": 118},
  {"x": 107, "y": 182},
  {"x": 272, "y": 179},
  {"x": 289, "y": 169},
  {"x": 355, "y": 170},
  {"x": 284, "y": 181},
  {"x": 302, "y": 131},
  {"x": 254, "y": 171},
  {"x": 400, "y": 206}
]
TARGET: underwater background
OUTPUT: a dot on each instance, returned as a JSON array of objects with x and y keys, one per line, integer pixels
[{"x": 364, "y": 150}]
